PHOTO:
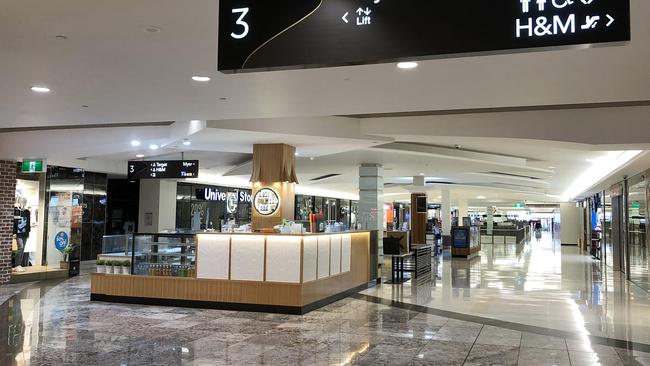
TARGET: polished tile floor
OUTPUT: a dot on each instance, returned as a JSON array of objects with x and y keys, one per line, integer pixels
[
  {"x": 539, "y": 284},
  {"x": 446, "y": 320}
]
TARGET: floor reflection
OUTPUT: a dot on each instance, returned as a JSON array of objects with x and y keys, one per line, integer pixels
[{"x": 538, "y": 283}]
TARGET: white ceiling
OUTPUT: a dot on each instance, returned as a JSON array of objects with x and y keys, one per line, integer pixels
[{"x": 124, "y": 74}]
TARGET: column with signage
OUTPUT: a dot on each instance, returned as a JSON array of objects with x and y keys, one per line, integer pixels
[{"x": 274, "y": 185}]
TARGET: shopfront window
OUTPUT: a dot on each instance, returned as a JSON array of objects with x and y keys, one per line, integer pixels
[
  {"x": 202, "y": 207},
  {"x": 607, "y": 231},
  {"x": 303, "y": 207},
  {"x": 637, "y": 248}
]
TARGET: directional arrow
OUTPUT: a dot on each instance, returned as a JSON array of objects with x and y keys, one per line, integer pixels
[
  {"x": 611, "y": 20},
  {"x": 345, "y": 17}
]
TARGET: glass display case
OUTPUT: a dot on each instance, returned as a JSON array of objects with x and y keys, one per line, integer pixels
[{"x": 168, "y": 255}]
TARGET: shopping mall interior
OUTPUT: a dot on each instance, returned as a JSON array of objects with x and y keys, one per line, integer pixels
[{"x": 324, "y": 182}]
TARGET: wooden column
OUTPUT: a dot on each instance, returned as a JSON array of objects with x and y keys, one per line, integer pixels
[
  {"x": 273, "y": 174},
  {"x": 418, "y": 220}
]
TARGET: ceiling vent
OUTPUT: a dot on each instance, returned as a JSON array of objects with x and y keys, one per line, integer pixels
[
  {"x": 323, "y": 177},
  {"x": 514, "y": 175}
]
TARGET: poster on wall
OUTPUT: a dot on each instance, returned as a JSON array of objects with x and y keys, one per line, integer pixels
[{"x": 60, "y": 214}]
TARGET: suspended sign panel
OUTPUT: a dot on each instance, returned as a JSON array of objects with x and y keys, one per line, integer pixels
[
  {"x": 163, "y": 169},
  {"x": 259, "y": 35}
]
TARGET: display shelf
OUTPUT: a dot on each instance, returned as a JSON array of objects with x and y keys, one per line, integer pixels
[{"x": 166, "y": 255}]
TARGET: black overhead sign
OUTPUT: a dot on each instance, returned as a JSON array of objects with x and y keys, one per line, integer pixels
[
  {"x": 165, "y": 169},
  {"x": 259, "y": 35}
]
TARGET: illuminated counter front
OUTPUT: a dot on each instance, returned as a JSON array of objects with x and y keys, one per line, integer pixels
[{"x": 258, "y": 272}]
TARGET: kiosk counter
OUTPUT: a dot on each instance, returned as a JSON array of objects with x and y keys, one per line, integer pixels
[{"x": 279, "y": 273}]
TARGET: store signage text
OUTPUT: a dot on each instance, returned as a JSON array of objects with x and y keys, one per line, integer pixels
[
  {"x": 215, "y": 195},
  {"x": 547, "y": 24},
  {"x": 257, "y": 35}
]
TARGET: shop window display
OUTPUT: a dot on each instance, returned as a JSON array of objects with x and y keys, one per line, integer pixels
[{"x": 637, "y": 246}]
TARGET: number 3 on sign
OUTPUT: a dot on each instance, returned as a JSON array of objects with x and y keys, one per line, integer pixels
[{"x": 240, "y": 22}]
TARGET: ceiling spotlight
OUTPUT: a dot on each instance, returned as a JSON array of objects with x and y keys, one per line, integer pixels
[
  {"x": 407, "y": 65},
  {"x": 312, "y": 158},
  {"x": 140, "y": 156},
  {"x": 40, "y": 89},
  {"x": 187, "y": 142},
  {"x": 297, "y": 153},
  {"x": 135, "y": 143},
  {"x": 154, "y": 147},
  {"x": 201, "y": 79}
]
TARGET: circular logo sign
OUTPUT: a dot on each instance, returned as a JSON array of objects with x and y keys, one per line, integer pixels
[
  {"x": 61, "y": 241},
  {"x": 231, "y": 202},
  {"x": 266, "y": 201}
]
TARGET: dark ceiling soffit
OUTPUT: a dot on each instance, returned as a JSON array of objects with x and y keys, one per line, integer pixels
[
  {"x": 639, "y": 103},
  {"x": 77, "y": 127}
]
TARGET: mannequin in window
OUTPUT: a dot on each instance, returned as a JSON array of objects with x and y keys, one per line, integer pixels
[{"x": 22, "y": 226}]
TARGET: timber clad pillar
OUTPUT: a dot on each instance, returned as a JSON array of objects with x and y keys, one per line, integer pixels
[
  {"x": 274, "y": 184},
  {"x": 418, "y": 219}
]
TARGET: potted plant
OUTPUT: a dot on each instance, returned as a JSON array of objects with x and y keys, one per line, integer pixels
[
  {"x": 109, "y": 267},
  {"x": 101, "y": 266},
  {"x": 126, "y": 267},
  {"x": 65, "y": 264}
]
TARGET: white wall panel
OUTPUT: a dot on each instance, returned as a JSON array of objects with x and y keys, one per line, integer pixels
[
  {"x": 323, "y": 256},
  {"x": 247, "y": 263},
  {"x": 346, "y": 252},
  {"x": 283, "y": 258},
  {"x": 335, "y": 255},
  {"x": 310, "y": 258},
  {"x": 213, "y": 255}
]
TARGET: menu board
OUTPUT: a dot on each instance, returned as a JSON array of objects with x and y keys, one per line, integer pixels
[
  {"x": 266, "y": 201},
  {"x": 164, "y": 169}
]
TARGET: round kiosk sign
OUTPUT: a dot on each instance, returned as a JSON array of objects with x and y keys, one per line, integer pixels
[{"x": 266, "y": 201}]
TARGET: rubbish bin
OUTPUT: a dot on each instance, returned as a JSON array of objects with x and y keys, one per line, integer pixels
[{"x": 73, "y": 267}]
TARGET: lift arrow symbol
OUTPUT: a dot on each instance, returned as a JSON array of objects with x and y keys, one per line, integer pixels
[
  {"x": 611, "y": 20},
  {"x": 345, "y": 17}
]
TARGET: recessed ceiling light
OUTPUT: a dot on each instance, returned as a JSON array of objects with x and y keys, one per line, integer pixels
[
  {"x": 154, "y": 147},
  {"x": 297, "y": 153},
  {"x": 201, "y": 79},
  {"x": 312, "y": 158},
  {"x": 422, "y": 174},
  {"x": 40, "y": 89},
  {"x": 480, "y": 197},
  {"x": 407, "y": 65},
  {"x": 135, "y": 143},
  {"x": 187, "y": 142},
  {"x": 140, "y": 156}
]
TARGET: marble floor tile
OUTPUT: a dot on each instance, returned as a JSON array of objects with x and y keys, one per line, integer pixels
[
  {"x": 491, "y": 355},
  {"x": 463, "y": 335},
  {"x": 442, "y": 353},
  {"x": 543, "y": 357},
  {"x": 531, "y": 340},
  {"x": 590, "y": 358},
  {"x": 491, "y": 335}
]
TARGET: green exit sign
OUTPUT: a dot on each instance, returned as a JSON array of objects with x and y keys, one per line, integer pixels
[
  {"x": 520, "y": 205},
  {"x": 33, "y": 166},
  {"x": 636, "y": 205}
]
